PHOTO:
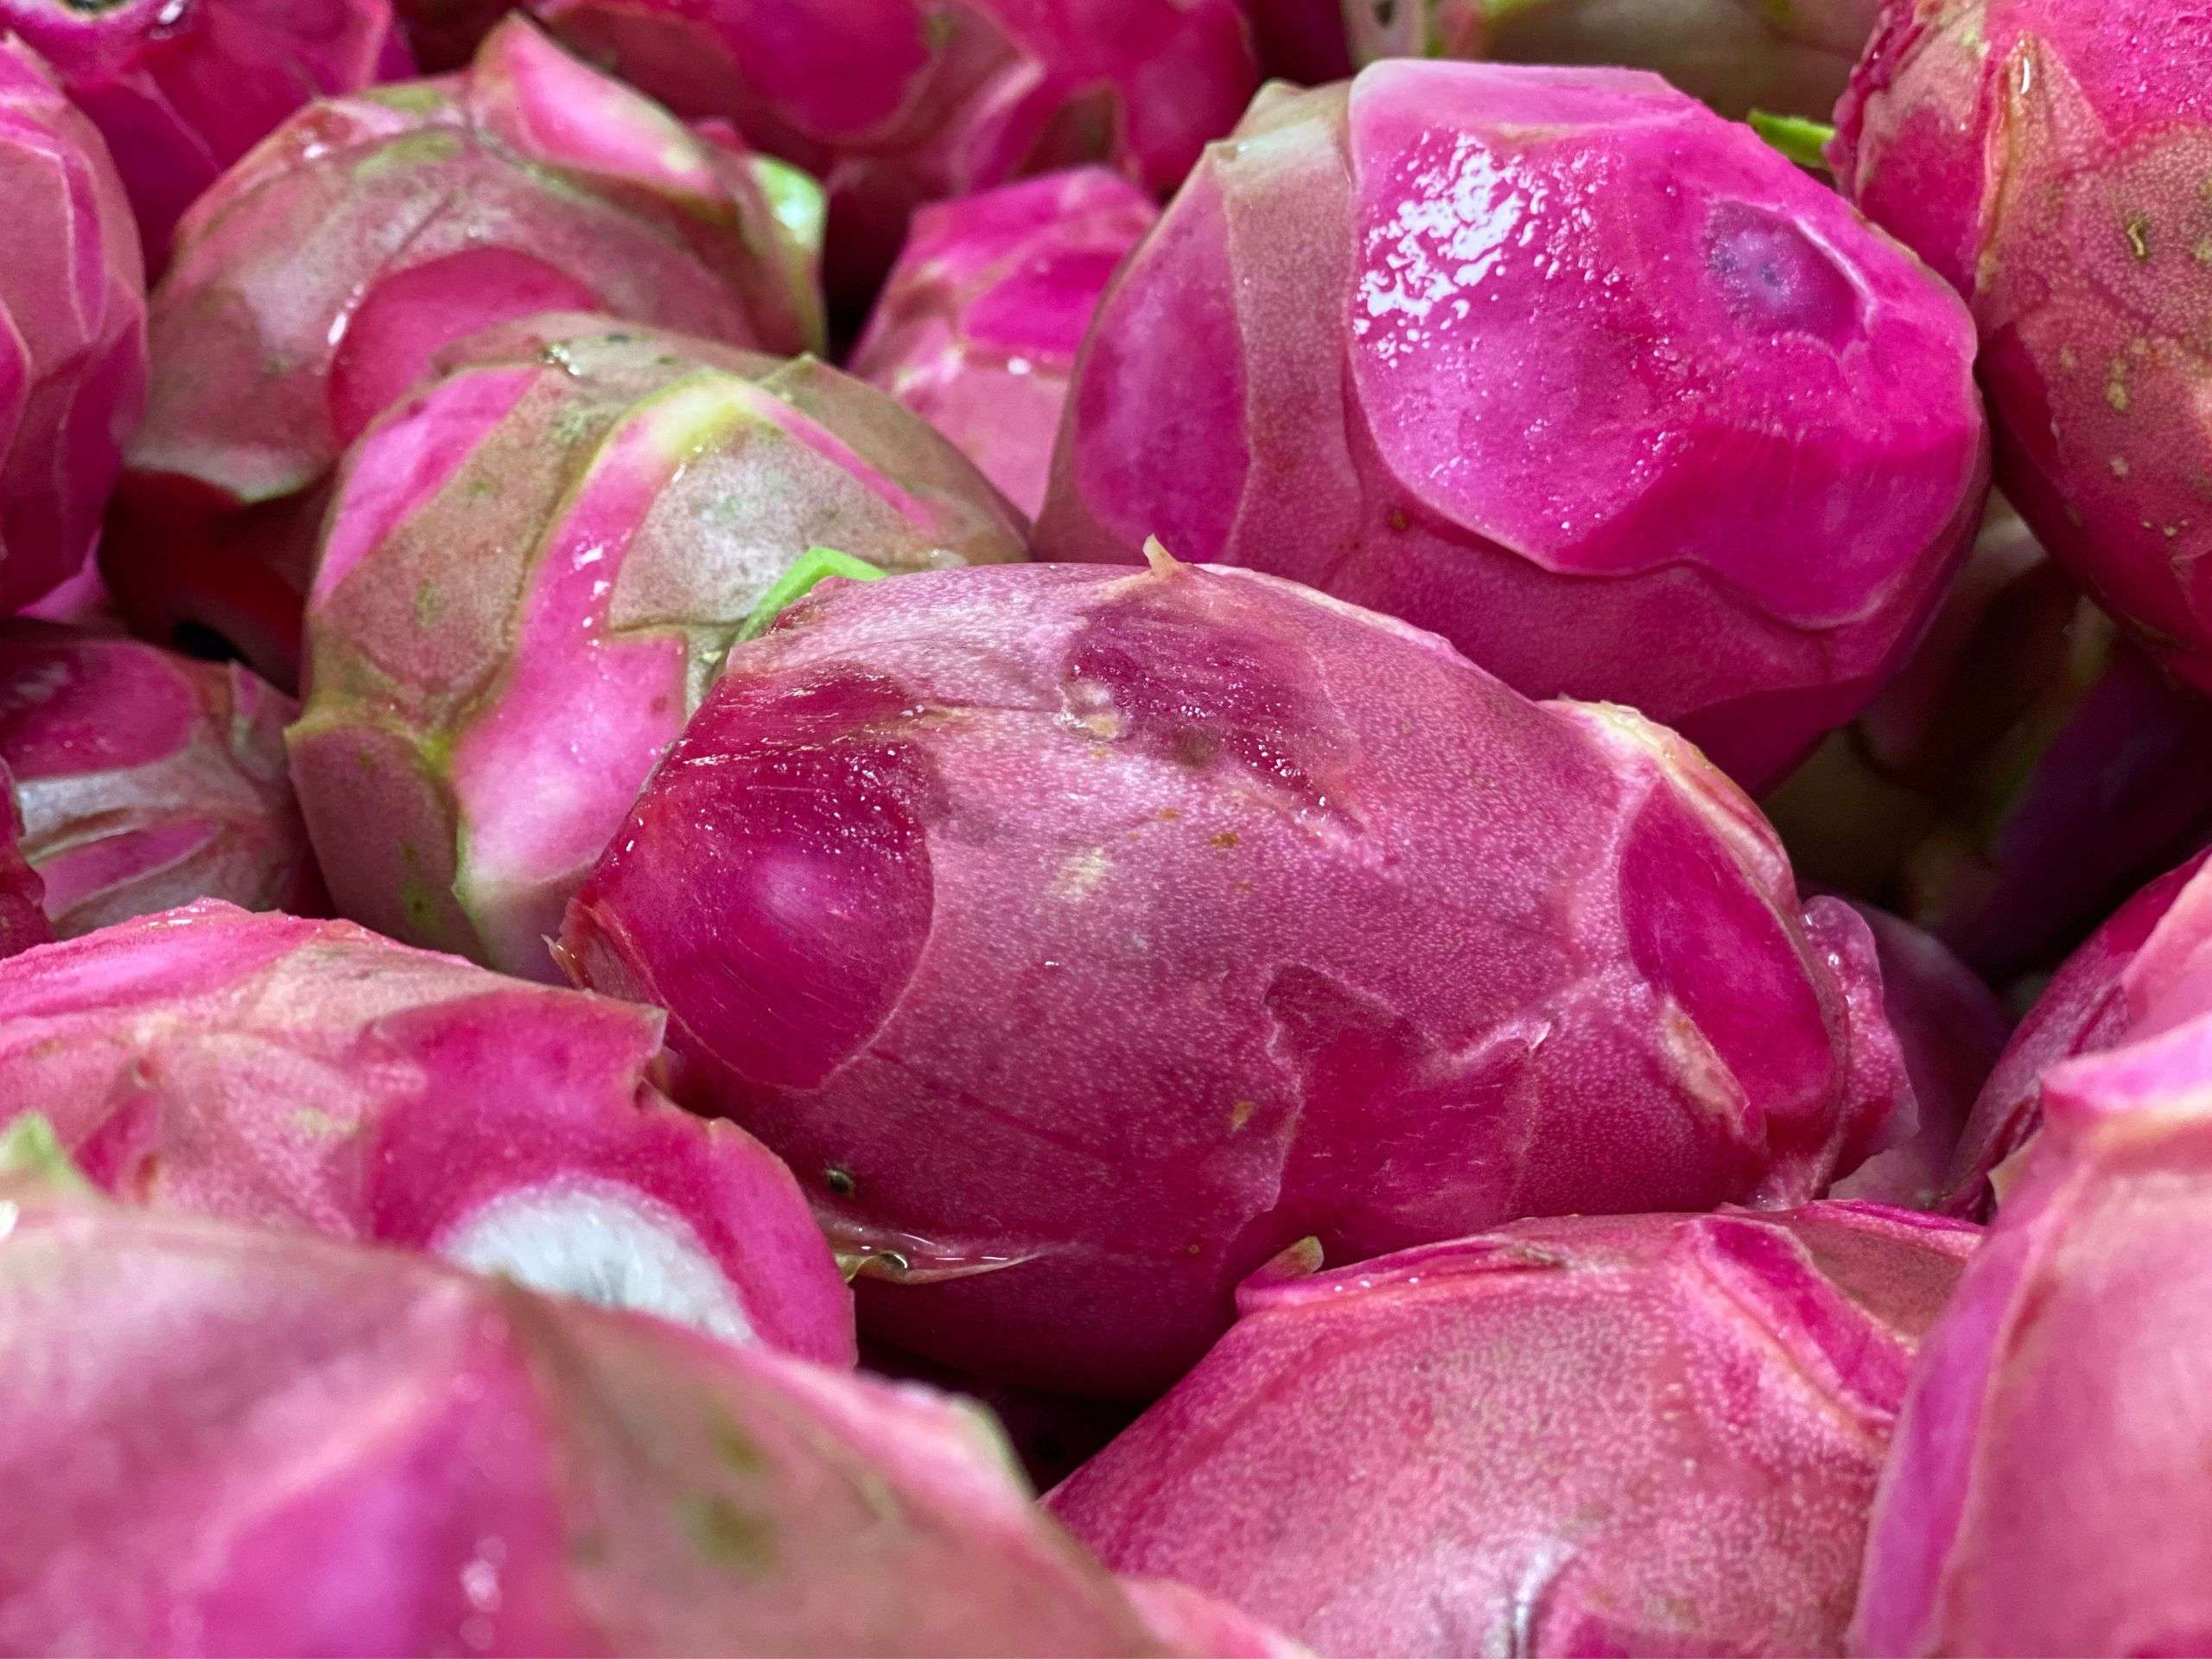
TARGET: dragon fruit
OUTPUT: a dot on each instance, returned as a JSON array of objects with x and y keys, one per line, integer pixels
[
  {"x": 22, "y": 913},
  {"x": 267, "y": 1444},
  {"x": 2098, "y": 999},
  {"x": 531, "y": 568},
  {"x": 148, "y": 779},
  {"x": 2026, "y": 768},
  {"x": 181, "y": 90},
  {"x": 1472, "y": 345},
  {"x": 2045, "y": 157},
  {"x": 978, "y": 325},
  {"x": 1950, "y": 1028},
  {"x": 1792, "y": 57},
  {"x": 2046, "y": 1492},
  {"x": 323, "y": 274},
  {"x": 1602, "y": 1435},
  {"x": 73, "y": 331},
  {"x": 309, "y": 1074},
  {"x": 896, "y": 102},
  {"x": 1084, "y": 937}
]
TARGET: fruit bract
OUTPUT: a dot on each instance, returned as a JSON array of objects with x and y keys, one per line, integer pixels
[
  {"x": 182, "y": 91},
  {"x": 321, "y": 277},
  {"x": 73, "y": 331},
  {"x": 1788, "y": 57},
  {"x": 895, "y": 102},
  {"x": 285, "y": 1445},
  {"x": 1950, "y": 1028},
  {"x": 310, "y": 1074},
  {"x": 2060, "y": 1400},
  {"x": 148, "y": 779},
  {"x": 1616, "y": 1434},
  {"x": 1558, "y": 364},
  {"x": 979, "y": 323},
  {"x": 2098, "y": 999},
  {"x": 2047, "y": 158},
  {"x": 1084, "y": 937},
  {"x": 22, "y": 914},
  {"x": 2026, "y": 768},
  {"x": 530, "y": 572}
]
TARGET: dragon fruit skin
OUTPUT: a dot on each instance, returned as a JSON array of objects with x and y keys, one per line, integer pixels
[
  {"x": 978, "y": 324},
  {"x": 1050, "y": 1434},
  {"x": 2059, "y": 1402},
  {"x": 148, "y": 779},
  {"x": 530, "y": 569},
  {"x": 445, "y": 34},
  {"x": 1794, "y": 58},
  {"x": 2027, "y": 768},
  {"x": 22, "y": 913},
  {"x": 324, "y": 274},
  {"x": 268, "y": 1070},
  {"x": 2044, "y": 159},
  {"x": 1281, "y": 960},
  {"x": 896, "y": 102},
  {"x": 1950, "y": 1028},
  {"x": 180, "y": 91},
  {"x": 1425, "y": 340},
  {"x": 268, "y": 1444},
  {"x": 1611, "y": 1435},
  {"x": 2100, "y": 997},
  {"x": 73, "y": 331}
]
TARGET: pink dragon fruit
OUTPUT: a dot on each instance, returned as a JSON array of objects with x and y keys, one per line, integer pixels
[
  {"x": 896, "y": 102},
  {"x": 1792, "y": 57},
  {"x": 264, "y": 1444},
  {"x": 2046, "y": 1492},
  {"x": 531, "y": 570},
  {"x": 2025, "y": 769},
  {"x": 978, "y": 326},
  {"x": 1302, "y": 40},
  {"x": 445, "y": 34},
  {"x": 73, "y": 331},
  {"x": 1084, "y": 937},
  {"x": 181, "y": 90},
  {"x": 1950, "y": 1028},
  {"x": 1472, "y": 344},
  {"x": 1654, "y": 1434},
  {"x": 310, "y": 1074},
  {"x": 148, "y": 779},
  {"x": 2045, "y": 156},
  {"x": 22, "y": 913},
  {"x": 319, "y": 279},
  {"x": 2099, "y": 1000}
]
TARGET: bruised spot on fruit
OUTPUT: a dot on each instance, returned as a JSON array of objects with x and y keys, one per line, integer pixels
[
  {"x": 605, "y": 1243},
  {"x": 795, "y": 802},
  {"x": 727, "y": 1536},
  {"x": 1775, "y": 277},
  {"x": 1198, "y": 691}
]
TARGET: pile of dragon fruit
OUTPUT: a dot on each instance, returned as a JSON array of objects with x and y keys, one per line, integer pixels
[{"x": 1244, "y": 829}]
